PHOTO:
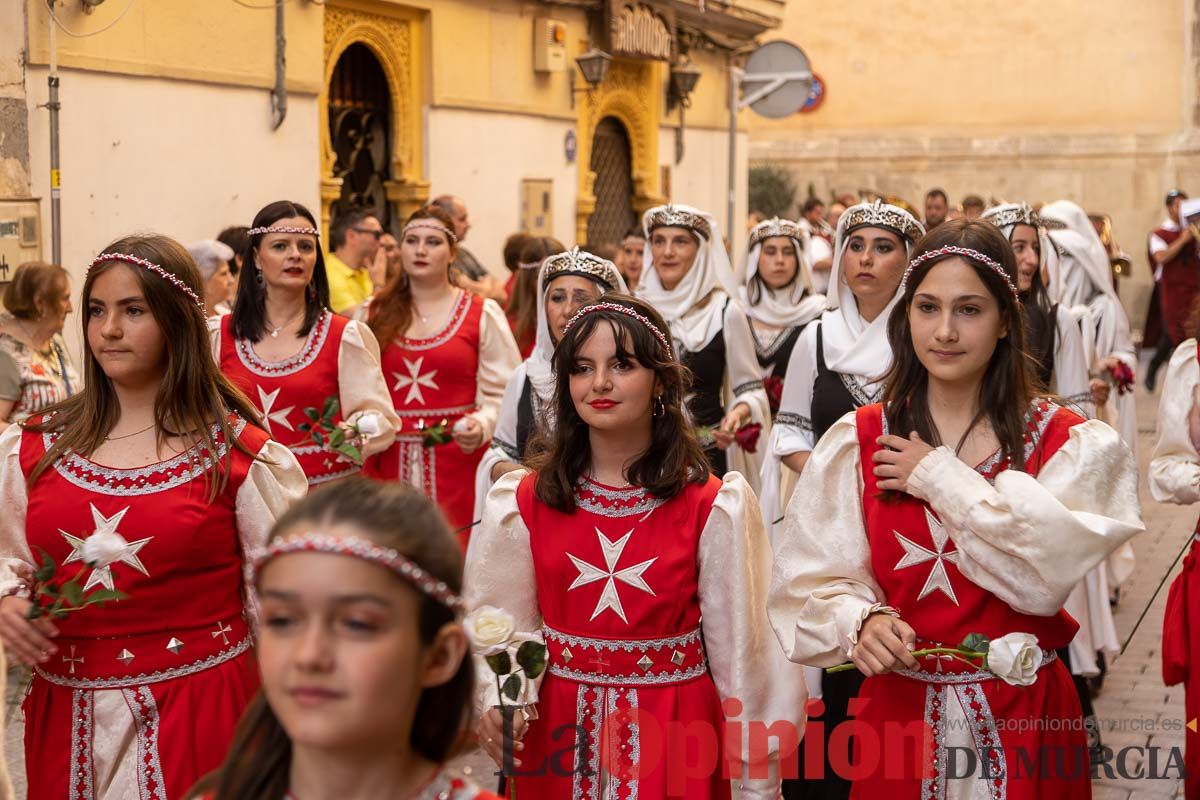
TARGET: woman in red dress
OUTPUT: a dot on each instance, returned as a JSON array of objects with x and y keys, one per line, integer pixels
[
  {"x": 366, "y": 685},
  {"x": 447, "y": 354},
  {"x": 289, "y": 353},
  {"x": 933, "y": 549},
  {"x": 645, "y": 576},
  {"x": 152, "y": 482}
]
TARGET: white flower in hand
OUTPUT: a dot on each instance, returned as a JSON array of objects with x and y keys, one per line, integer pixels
[
  {"x": 1015, "y": 658},
  {"x": 103, "y": 548},
  {"x": 489, "y": 629},
  {"x": 461, "y": 426},
  {"x": 367, "y": 425}
]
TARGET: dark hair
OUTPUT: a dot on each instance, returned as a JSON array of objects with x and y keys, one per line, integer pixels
[
  {"x": 523, "y": 304},
  {"x": 1007, "y": 388},
  {"x": 344, "y": 222},
  {"x": 811, "y": 203},
  {"x": 972, "y": 201},
  {"x": 674, "y": 457},
  {"x": 1174, "y": 195},
  {"x": 1038, "y": 318},
  {"x": 249, "y": 317},
  {"x": 390, "y": 313},
  {"x": 445, "y": 202},
  {"x": 193, "y": 396},
  {"x": 391, "y": 515},
  {"x": 512, "y": 249},
  {"x": 754, "y": 292},
  {"x": 235, "y": 238},
  {"x": 635, "y": 231},
  {"x": 34, "y": 284},
  {"x": 937, "y": 193}
]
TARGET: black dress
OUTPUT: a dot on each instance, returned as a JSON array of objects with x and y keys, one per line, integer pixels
[
  {"x": 708, "y": 378},
  {"x": 774, "y": 356}
]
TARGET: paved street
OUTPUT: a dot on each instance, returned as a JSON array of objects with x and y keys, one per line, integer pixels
[{"x": 1135, "y": 709}]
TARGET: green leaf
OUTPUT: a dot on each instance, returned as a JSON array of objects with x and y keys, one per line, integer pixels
[
  {"x": 304, "y": 427},
  {"x": 330, "y": 409},
  {"x": 46, "y": 571},
  {"x": 975, "y": 642},
  {"x": 319, "y": 438},
  {"x": 512, "y": 687},
  {"x": 500, "y": 663},
  {"x": 105, "y": 595},
  {"x": 73, "y": 593},
  {"x": 312, "y": 414},
  {"x": 49, "y": 589},
  {"x": 336, "y": 438},
  {"x": 351, "y": 452},
  {"x": 532, "y": 658}
]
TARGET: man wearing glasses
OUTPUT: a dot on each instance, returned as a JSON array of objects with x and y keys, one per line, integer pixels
[{"x": 355, "y": 240}]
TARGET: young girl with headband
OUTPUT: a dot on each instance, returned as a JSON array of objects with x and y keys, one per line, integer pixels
[
  {"x": 152, "y": 481},
  {"x": 644, "y": 575},
  {"x": 978, "y": 506},
  {"x": 366, "y": 684}
]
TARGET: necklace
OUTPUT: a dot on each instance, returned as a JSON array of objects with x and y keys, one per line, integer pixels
[
  {"x": 128, "y": 435},
  {"x": 275, "y": 331}
]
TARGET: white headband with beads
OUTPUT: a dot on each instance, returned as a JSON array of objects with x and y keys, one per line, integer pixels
[{"x": 965, "y": 252}]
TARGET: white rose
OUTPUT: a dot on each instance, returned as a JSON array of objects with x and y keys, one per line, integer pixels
[
  {"x": 489, "y": 629},
  {"x": 102, "y": 549},
  {"x": 461, "y": 425},
  {"x": 367, "y": 425},
  {"x": 1015, "y": 658}
]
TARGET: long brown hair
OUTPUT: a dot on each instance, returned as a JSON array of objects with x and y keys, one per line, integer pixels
[
  {"x": 523, "y": 304},
  {"x": 391, "y": 515},
  {"x": 193, "y": 397},
  {"x": 1008, "y": 385},
  {"x": 391, "y": 311},
  {"x": 674, "y": 457}
]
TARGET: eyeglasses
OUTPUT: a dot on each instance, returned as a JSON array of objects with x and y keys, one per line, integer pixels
[{"x": 376, "y": 234}]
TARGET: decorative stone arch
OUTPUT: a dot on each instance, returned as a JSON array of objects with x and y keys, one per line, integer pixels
[
  {"x": 395, "y": 41},
  {"x": 631, "y": 95}
]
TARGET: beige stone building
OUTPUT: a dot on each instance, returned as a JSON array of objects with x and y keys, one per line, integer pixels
[{"x": 1022, "y": 100}]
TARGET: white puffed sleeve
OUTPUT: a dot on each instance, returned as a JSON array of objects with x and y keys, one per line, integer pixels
[
  {"x": 363, "y": 391},
  {"x": 743, "y": 380},
  {"x": 273, "y": 484},
  {"x": 498, "y": 357},
  {"x": 15, "y": 555},
  {"x": 504, "y": 440},
  {"x": 1175, "y": 465},
  {"x": 822, "y": 585},
  {"x": 1030, "y": 540},
  {"x": 792, "y": 430},
  {"x": 743, "y": 656},
  {"x": 214, "y": 337},
  {"x": 499, "y": 573},
  {"x": 1071, "y": 363}
]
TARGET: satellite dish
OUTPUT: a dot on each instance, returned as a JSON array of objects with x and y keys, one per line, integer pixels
[{"x": 777, "y": 80}]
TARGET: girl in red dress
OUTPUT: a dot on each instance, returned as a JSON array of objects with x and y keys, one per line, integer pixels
[
  {"x": 366, "y": 687},
  {"x": 1175, "y": 478},
  {"x": 289, "y": 353},
  {"x": 150, "y": 481},
  {"x": 645, "y": 576},
  {"x": 447, "y": 354},
  {"x": 931, "y": 549}
]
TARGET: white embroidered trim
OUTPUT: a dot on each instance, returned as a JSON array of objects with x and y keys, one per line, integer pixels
[
  {"x": 794, "y": 420},
  {"x": 438, "y": 339},
  {"x": 986, "y": 736},
  {"x": 934, "y": 787},
  {"x": 435, "y": 412},
  {"x": 960, "y": 678},
  {"x": 860, "y": 395},
  {"x": 313, "y": 344},
  {"x": 764, "y": 350},
  {"x": 146, "y": 721},
  {"x": 146, "y": 678},
  {"x": 577, "y": 773},
  {"x": 628, "y": 645},
  {"x": 658, "y": 679},
  {"x": 82, "y": 728}
]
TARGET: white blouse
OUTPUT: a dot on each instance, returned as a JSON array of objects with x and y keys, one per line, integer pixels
[{"x": 1175, "y": 466}]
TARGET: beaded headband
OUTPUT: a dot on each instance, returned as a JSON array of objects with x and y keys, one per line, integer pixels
[
  {"x": 627, "y": 311},
  {"x": 965, "y": 252},
  {"x": 1021, "y": 214},
  {"x": 775, "y": 227},
  {"x": 582, "y": 263},
  {"x": 385, "y": 557},
  {"x": 879, "y": 215},
  {"x": 669, "y": 216},
  {"x": 169, "y": 277},
  {"x": 432, "y": 224},
  {"x": 284, "y": 229}
]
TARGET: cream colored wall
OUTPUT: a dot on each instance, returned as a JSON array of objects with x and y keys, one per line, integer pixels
[
  {"x": 182, "y": 159},
  {"x": 702, "y": 178},
  {"x": 14, "y": 129},
  {"x": 483, "y": 157}
]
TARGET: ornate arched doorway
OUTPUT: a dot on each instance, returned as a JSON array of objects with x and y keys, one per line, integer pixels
[
  {"x": 612, "y": 162},
  {"x": 360, "y": 111}
]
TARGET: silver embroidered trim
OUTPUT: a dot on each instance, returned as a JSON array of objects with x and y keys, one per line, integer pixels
[
  {"x": 795, "y": 420},
  {"x": 613, "y": 782},
  {"x": 986, "y": 736},
  {"x": 1048, "y": 657},
  {"x": 991, "y": 462},
  {"x": 113, "y": 475},
  {"x": 580, "y": 728},
  {"x": 457, "y": 317},
  {"x": 435, "y": 412},
  {"x": 146, "y": 721},
  {"x": 594, "y": 743},
  {"x": 934, "y": 788},
  {"x": 748, "y": 386},
  {"x": 628, "y": 645},
  {"x": 643, "y": 506},
  {"x": 857, "y": 393},
  {"x": 658, "y": 679},
  {"x": 145, "y": 678},
  {"x": 507, "y": 448},
  {"x": 326, "y": 477},
  {"x": 635, "y": 740},
  {"x": 288, "y": 366},
  {"x": 82, "y": 731},
  {"x": 766, "y": 349}
]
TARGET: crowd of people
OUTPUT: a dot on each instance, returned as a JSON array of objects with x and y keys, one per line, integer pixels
[{"x": 314, "y": 517}]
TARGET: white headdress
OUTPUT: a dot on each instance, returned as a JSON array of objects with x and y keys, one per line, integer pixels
[{"x": 795, "y": 305}]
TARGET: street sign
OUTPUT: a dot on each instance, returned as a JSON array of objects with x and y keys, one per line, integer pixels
[{"x": 777, "y": 80}]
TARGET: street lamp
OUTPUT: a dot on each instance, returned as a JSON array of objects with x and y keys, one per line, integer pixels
[
  {"x": 684, "y": 77},
  {"x": 594, "y": 66}
]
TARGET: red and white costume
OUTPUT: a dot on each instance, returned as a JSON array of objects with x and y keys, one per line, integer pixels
[
  {"x": 458, "y": 372},
  {"x": 142, "y": 697},
  {"x": 1175, "y": 478},
  {"x": 339, "y": 359},
  {"x": 987, "y": 550},
  {"x": 653, "y": 611}
]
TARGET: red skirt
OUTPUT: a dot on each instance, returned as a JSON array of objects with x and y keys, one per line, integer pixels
[
  {"x": 1181, "y": 649},
  {"x": 176, "y": 731}
]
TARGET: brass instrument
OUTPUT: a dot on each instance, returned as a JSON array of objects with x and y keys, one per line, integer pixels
[{"x": 1118, "y": 260}]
